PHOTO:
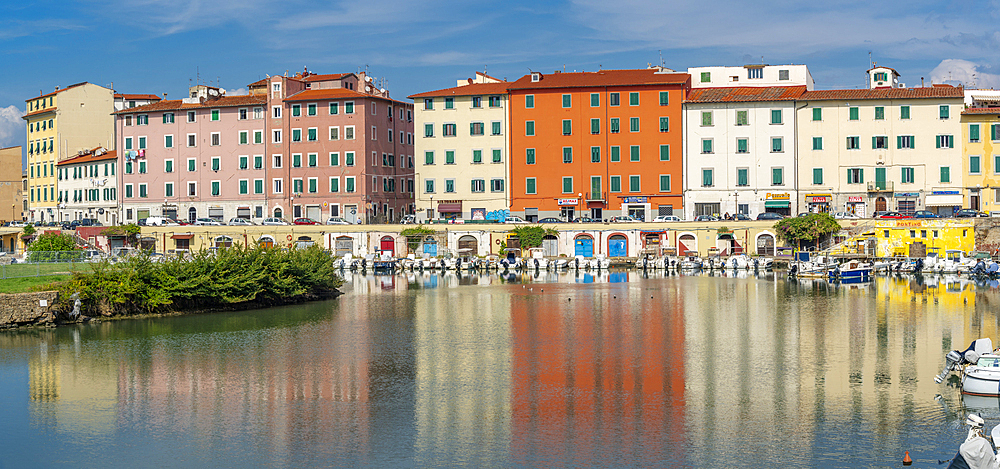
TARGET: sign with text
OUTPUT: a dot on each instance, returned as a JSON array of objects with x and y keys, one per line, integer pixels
[
  {"x": 635, "y": 199},
  {"x": 568, "y": 201},
  {"x": 776, "y": 196},
  {"x": 854, "y": 199}
]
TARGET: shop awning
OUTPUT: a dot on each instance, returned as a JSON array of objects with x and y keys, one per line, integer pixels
[
  {"x": 449, "y": 208},
  {"x": 777, "y": 204},
  {"x": 939, "y": 200},
  {"x": 182, "y": 236}
]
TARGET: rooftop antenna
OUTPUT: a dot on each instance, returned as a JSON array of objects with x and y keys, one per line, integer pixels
[
  {"x": 197, "y": 71},
  {"x": 485, "y": 68},
  {"x": 564, "y": 68},
  {"x": 660, "y": 51}
]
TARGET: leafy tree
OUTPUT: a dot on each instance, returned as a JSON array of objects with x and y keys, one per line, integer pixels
[
  {"x": 810, "y": 228},
  {"x": 531, "y": 236},
  {"x": 54, "y": 247},
  {"x": 415, "y": 235},
  {"x": 128, "y": 231},
  {"x": 29, "y": 230}
]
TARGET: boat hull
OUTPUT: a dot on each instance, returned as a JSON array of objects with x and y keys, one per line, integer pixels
[{"x": 981, "y": 382}]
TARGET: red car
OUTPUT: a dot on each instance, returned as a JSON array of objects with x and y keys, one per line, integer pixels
[
  {"x": 305, "y": 221},
  {"x": 895, "y": 215}
]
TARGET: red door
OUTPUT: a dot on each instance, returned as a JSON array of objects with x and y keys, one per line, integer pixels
[
  {"x": 685, "y": 244},
  {"x": 387, "y": 245}
]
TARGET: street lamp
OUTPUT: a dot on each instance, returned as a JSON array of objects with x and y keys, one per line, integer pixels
[{"x": 579, "y": 201}]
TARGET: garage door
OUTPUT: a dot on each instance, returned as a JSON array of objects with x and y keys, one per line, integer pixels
[
  {"x": 686, "y": 243},
  {"x": 314, "y": 212},
  {"x": 617, "y": 246},
  {"x": 344, "y": 245},
  {"x": 583, "y": 246},
  {"x": 388, "y": 245},
  {"x": 468, "y": 246},
  {"x": 551, "y": 246}
]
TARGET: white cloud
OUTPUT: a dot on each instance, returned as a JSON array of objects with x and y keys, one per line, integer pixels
[
  {"x": 966, "y": 73},
  {"x": 237, "y": 92},
  {"x": 11, "y": 126}
]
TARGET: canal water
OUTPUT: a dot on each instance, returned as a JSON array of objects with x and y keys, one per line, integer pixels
[{"x": 565, "y": 370}]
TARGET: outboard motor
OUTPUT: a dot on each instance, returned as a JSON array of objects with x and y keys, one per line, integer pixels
[
  {"x": 443, "y": 268},
  {"x": 951, "y": 360},
  {"x": 576, "y": 261},
  {"x": 458, "y": 264},
  {"x": 793, "y": 270},
  {"x": 955, "y": 358},
  {"x": 918, "y": 266},
  {"x": 536, "y": 264}
]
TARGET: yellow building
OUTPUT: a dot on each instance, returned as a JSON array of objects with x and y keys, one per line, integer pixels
[
  {"x": 10, "y": 185},
  {"x": 981, "y": 157},
  {"x": 917, "y": 237},
  {"x": 60, "y": 124}
]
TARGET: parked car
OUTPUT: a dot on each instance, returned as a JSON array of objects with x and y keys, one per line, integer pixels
[
  {"x": 894, "y": 216},
  {"x": 207, "y": 222},
  {"x": 341, "y": 221},
  {"x": 925, "y": 214},
  {"x": 305, "y": 221},
  {"x": 17, "y": 224},
  {"x": 845, "y": 216},
  {"x": 155, "y": 221},
  {"x": 770, "y": 216},
  {"x": 741, "y": 216},
  {"x": 706, "y": 218},
  {"x": 665, "y": 218},
  {"x": 586, "y": 220},
  {"x": 406, "y": 220},
  {"x": 514, "y": 220},
  {"x": 623, "y": 219},
  {"x": 550, "y": 220},
  {"x": 878, "y": 214},
  {"x": 240, "y": 222},
  {"x": 273, "y": 222},
  {"x": 969, "y": 213},
  {"x": 175, "y": 221}
]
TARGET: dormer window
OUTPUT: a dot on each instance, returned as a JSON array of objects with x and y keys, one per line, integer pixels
[
  {"x": 881, "y": 76},
  {"x": 536, "y": 77}
]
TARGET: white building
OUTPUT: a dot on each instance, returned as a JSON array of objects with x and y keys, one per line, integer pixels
[
  {"x": 88, "y": 187},
  {"x": 883, "y": 148},
  {"x": 740, "y": 133},
  {"x": 461, "y": 151},
  {"x": 124, "y": 101}
]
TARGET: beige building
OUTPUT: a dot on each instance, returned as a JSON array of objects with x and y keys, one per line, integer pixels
[
  {"x": 885, "y": 148},
  {"x": 10, "y": 185},
  {"x": 461, "y": 151},
  {"x": 59, "y": 125}
]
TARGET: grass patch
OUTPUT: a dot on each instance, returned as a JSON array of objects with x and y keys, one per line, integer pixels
[
  {"x": 29, "y": 284},
  {"x": 34, "y": 270}
]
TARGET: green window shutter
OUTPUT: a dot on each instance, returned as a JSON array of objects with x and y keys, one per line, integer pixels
[
  {"x": 945, "y": 176},
  {"x": 529, "y": 101},
  {"x": 854, "y": 113},
  {"x": 937, "y": 142},
  {"x": 529, "y": 128},
  {"x": 741, "y": 177},
  {"x": 595, "y": 126},
  {"x": 634, "y": 153},
  {"x": 873, "y": 142},
  {"x": 817, "y": 114},
  {"x": 993, "y": 132},
  {"x": 567, "y": 100},
  {"x": 664, "y": 152},
  {"x": 706, "y": 118},
  {"x": 817, "y": 175},
  {"x": 706, "y": 146},
  {"x": 616, "y": 155},
  {"x": 616, "y": 183},
  {"x": 861, "y": 175},
  {"x": 899, "y": 142},
  {"x": 776, "y": 116},
  {"x": 567, "y": 184},
  {"x": 664, "y": 98},
  {"x": 665, "y": 183},
  {"x": 817, "y": 143},
  {"x": 449, "y": 156},
  {"x": 944, "y": 111},
  {"x": 904, "y": 112},
  {"x": 973, "y": 132},
  {"x": 530, "y": 156},
  {"x": 633, "y": 99},
  {"x": 472, "y": 128},
  {"x": 595, "y": 99},
  {"x": 595, "y": 154},
  {"x": 776, "y": 176}
]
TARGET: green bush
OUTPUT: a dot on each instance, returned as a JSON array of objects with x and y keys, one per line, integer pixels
[
  {"x": 204, "y": 280},
  {"x": 54, "y": 247}
]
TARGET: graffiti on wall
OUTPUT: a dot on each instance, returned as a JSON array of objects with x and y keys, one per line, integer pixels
[{"x": 498, "y": 215}]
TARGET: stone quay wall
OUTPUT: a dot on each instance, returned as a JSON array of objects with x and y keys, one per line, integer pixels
[{"x": 23, "y": 309}]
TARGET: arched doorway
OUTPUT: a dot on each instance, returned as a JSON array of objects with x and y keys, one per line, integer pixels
[
  {"x": 344, "y": 245},
  {"x": 880, "y": 204},
  {"x": 617, "y": 246},
  {"x": 583, "y": 245},
  {"x": 468, "y": 246},
  {"x": 277, "y": 212},
  {"x": 765, "y": 245},
  {"x": 192, "y": 214},
  {"x": 387, "y": 245},
  {"x": 303, "y": 242},
  {"x": 726, "y": 244},
  {"x": 265, "y": 241},
  {"x": 430, "y": 246},
  {"x": 223, "y": 242},
  {"x": 550, "y": 245},
  {"x": 687, "y": 243}
]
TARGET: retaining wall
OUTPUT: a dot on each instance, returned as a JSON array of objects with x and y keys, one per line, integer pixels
[{"x": 22, "y": 309}]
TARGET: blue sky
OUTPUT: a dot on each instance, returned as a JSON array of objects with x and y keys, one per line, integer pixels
[{"x": 157, "y": 46}]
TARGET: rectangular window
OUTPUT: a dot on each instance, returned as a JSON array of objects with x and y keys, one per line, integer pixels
[
  {"x": 449, "y": 156},
  {"x": 880, "y": 142},
  {"x": 817, "y": 143},
  {"x": 529, "y": 186},
  {"x": 449, "y": 103},
  {"x": 616, "y": 154},
  {"x": 664, "y": 124},
  {"x": 428, "y": 104},
  {"x": 853, "y": 143},
  {"x": 314, "y": 185},
  {"x": 974, "y": 165},
  {"x": 817, "y": 176},
  {"x": 616, "y": 184},
  {"x": 742, "y": 145},
  {"x": 664, "y": 98},
  {"x": 633, "y": 124},
  {"x": 907, "y": 175},
  {"x": 567, "y": 127},
  {"x": 633, "y": 184},
  {"x": 168, "y": 141},
  {"x": 349, "y": 184},
  {"x": 855, "y": 176},
  {"x": 595, "y": 99},
  {"x": 817, "y": 113},
  {"x": 879, "y": 113},
  {"x": 478, "y": 185},
  {"x": 706, "y": 118},
  {"x": 944, "y": 111},
  {"x": 349, "y": 107},
  {"x": 142, "y": 167},
  {"x": 496, "y": 185},
  {"x": 904, "y": 112},
  {"x": 664, "y": 152},
  {"x": 334, "y": 185},
  {"x": 633, "y": 154},
  {"x": 904, "y": 141},
  {"x": 477, "y": 102},
  {"x": 277, "y": 161},
  {"x": 244, "y": 186},
  {"x": 428, "y": 157},
  {"x": 775, "y": 116},
  {"x": 706, "y": 77},
  {"x": 529, "y": 101},
  {"x": 614, "y": 99},
  {"x": 258, "y": 136},
  {"x": 529, "y": 128},
  {"x": 297, "y": 160},
  {"x": 567, "y": 101},
  {"x": 168, "y": 189},
  {"x": 495, "y": 128},
  {"x": 973, "y": 133},
  {"x": 567, "y": 154},
  {"x": 664, "y": 183},
  {"x": 742, "y": 118},
  {"x": 945, "y": 141},
  {"x": 312, "y": 133},
  {"x": 529, "y": 156},
  {"x": 192, "y": 164},
  {"x": 497, "y": 156},
  {"x": 595, "y": 154},
  {"x": 567, "y": 184},
  {"x": 742, "y": 177},
  {"x": 853, "y": 114},
  {"x": 168, "y": 118},
  {"x": 334, "y": 109},
  {"x": 706, "y": 178},
  {"x": 706, "y": 145},
  {"x": 244, "y": 162},
  {"x": 277, "y": 186},
  {"x": 615, "y": 125},
  {"x": 311, "y": 109},
  {"x": 334, "y": 159},
  {"x": 128, "y": 191},
  {"x": 312, "y": 160},
  {"x": 276, "y": 136},
  {"x": 595, "y": 126},
  {"x": 428, "y": 130},
  {"x": 128, "y": 143},
  {"x": 777, "y": 176},
  {"x": 258, "y": 161},
  {"x": 168, "y": 166}
]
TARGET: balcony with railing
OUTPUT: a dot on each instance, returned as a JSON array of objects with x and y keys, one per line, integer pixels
[
  {"x": 880, "y": 186},
  {"x": 596, "y": 196}
]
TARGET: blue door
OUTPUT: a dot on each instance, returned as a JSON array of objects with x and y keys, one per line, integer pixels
[
  {"x": 617, "y": 247},
  {"x": 584, "y": 247}
]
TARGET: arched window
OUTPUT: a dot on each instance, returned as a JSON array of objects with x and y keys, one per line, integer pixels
[
  {"x": 277, "y": 212},
  {"x": 265, "y": 241},
  {"x": 223, "y": 242},
  {"x": 765, "y": 245},
  {"x": 192, "y": 214}
]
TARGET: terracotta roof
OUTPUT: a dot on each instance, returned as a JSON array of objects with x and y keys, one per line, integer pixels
[
  {"x": 745, "y": 94},
  {"x": 885, "y": 93},
  {"x": 466, "y": 90},
  {"x": 334, "y": 93},
  {"x": 177, "y": 104},
  {"x": 601, "y": 78},
  {"x": 56, "y": 91},
  {"x": 982, "y": 110},
  {"x": 261, "y": 82},
  {"x": 330, "y": 76},
  {"x": 38, "y": 112},
  {"x": 151, "y": 97},
  {"x": 89, "y": 157}
]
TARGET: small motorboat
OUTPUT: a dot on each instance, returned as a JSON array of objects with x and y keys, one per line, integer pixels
[
  {"x": 600, "y": 262},
  {"x": 978, "y": 368},
  {"x": 538, "y": 260},
  {"x": 690, "y": 263},
  {"x": 976, "y": 452},
  {"x": 852, "y": 271}
]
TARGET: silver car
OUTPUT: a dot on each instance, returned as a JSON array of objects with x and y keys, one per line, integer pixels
[
  {"x": 273, "y": 222},
  {"x": 207, "y": 222},
  {"x": 337, "y": 221},
  {"x": 240, "y": 222}
]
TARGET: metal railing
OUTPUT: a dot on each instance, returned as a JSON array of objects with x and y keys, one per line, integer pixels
[{"x": 43, "y": 263}]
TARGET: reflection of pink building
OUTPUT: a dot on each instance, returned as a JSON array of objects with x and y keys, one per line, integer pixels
[
  {"x": 337, "y": 146},
  {"x": 201, "y": 156}
]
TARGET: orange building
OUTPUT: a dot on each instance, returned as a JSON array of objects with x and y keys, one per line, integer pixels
[{"x": 597, "y": 144}]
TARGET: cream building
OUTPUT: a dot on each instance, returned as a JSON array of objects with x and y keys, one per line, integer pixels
[
  {"x": 461, "y": 151},
  {"x": 980, "y": 150},
  {"x": 739, "y": 124},
  {"x": 884, "y": 148},
  {"x": 60, "y": 125},
  {"x": 88, "y": 187}
]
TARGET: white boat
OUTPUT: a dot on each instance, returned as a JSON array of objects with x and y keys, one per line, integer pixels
[
  {"x": 600, "y": 262},
  {"x": 537, "y": 259},
  {"x": 978, "y": 368},
  {"x": 511, "y": 259},
  {"x": 976, "y": 452},
  {"x": 690, "y": 263},
  {"x": 852, "y": 271},
  {"x": 740, "y": 262}
]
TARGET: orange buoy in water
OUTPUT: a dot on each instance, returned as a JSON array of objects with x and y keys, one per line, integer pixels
[{"x": 906, "y": 459}]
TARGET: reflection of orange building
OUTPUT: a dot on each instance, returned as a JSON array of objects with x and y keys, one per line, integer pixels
[
  {"x": 597, "y": 143},
  {"x": 599, "y": 374}
]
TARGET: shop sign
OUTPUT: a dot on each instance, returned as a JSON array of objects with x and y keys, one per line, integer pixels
[
  {"x": 776, "y": 196},
  {"x": 854, "y": 199},
  {"x": 906, "y": 194},
  {"x": 568, "y": 201},
  {"x": 636, "y": 199},
  {"x": 944, "y": 193},
  {"x": 909, "y": 223},
  {"x": 818, "y": 199}
]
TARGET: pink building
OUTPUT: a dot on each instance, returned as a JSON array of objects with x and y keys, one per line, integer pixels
[
  {"x": 336, "y": 146},
  {"x": 198, "y": 157}
]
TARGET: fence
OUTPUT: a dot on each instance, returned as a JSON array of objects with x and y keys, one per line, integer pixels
[{"x": 41, "y": 263}]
